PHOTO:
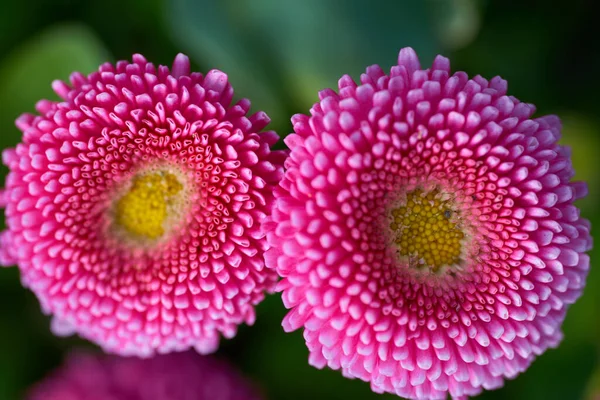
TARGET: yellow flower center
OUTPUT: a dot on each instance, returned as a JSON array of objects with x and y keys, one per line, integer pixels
[
  {"x": 144, "y": 209},
  {"x": 426, "y": 230}
]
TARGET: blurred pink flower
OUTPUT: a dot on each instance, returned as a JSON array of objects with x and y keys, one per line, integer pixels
[
  {"x": 133, "y": 207},
  {"x": 175, "y": 376},
  {"x": 426, "y": 232}
]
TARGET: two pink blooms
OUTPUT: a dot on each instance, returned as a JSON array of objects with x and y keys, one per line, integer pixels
[{"x": 422, "y": 222}]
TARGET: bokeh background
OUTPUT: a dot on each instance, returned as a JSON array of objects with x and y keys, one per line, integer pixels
[{"x": 280, "y": 53}]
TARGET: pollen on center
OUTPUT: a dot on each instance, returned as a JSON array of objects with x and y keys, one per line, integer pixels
[
  {"x": 427, "y": 231},
  {"x": 148, "y": 208}
]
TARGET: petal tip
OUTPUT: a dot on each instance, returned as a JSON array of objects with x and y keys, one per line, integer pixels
[
  {"x": 181, "y": 66},
  {"x": 409, "y": 59}
]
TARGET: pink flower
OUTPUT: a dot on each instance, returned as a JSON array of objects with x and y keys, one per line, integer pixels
[
  {"x": 176, "y": 376},
  {"x": 425, "y": 231},
  {"x": 133, "y": 207}
]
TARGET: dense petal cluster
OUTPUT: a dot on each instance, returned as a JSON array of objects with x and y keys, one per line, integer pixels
[
  {"x": 175, "y": 376},
  {"x": 134, "y": 205},
  {"x": 425, "y": 231}
]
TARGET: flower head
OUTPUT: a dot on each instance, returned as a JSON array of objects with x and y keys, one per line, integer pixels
[
  {"x": 133, "y": 207},
  {"x": 425, "y": 231},
  {"x": 175, "y": 376}
]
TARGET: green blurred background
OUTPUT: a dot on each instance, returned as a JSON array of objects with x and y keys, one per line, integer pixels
[{"x": 280, "y": 53}]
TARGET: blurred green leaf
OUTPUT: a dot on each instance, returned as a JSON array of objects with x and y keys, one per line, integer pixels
[
  {"x": 282, "y": 53},
  {"x": 17, "y": 20},
  {"x": 581, "y": 134},
  {"x": 517, "y": 49},
  {"x": 456, "y": 22},
  {"x": 207, "y": 33},
  {"x": 593, "y": 389},
  {"x": 27, "y": 73}
]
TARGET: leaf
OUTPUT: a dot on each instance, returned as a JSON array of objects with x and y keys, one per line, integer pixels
[
  {"x": 580, "y": 133},
  {"x": 593, "y": 389},
  {"x": 281, "y": 53},
  {"x": 206, "y": 31},
  {"x": 27, "y": 73},
  {"x": 457, "y": 22}
]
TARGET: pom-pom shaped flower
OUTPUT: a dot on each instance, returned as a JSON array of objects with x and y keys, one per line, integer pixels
[
  {"x": 134, "y": 205},
  {"x": 426, "y": 232},
  {"x": 175, "y": 376}
]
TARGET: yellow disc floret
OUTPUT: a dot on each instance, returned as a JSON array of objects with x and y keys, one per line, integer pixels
[
  {"x": 426, "y": 230},
  {"x": 143, "y": 210}
]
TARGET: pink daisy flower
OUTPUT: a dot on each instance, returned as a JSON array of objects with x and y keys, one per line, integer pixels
[
  {"x": 133, "y": 207},
  {"x": 425, "y": 231},
  {"x": 175, "y": 376}
]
